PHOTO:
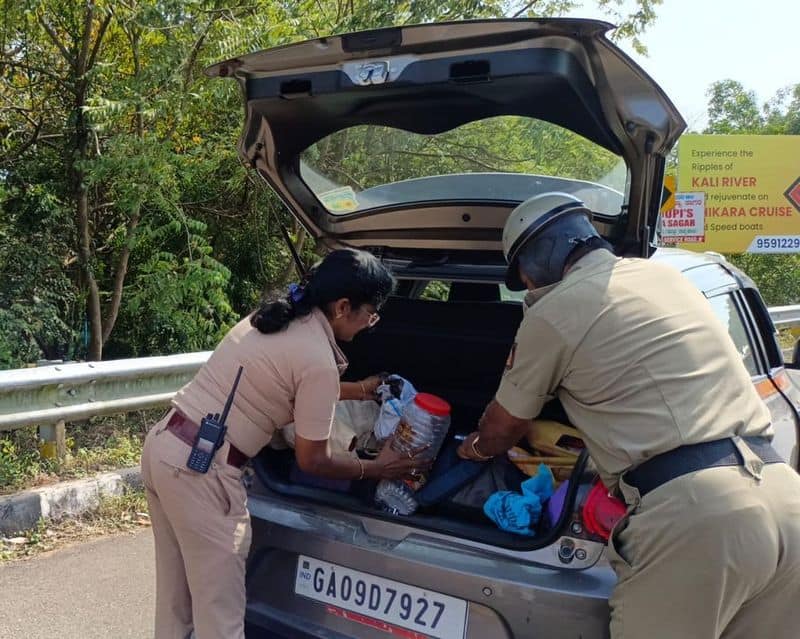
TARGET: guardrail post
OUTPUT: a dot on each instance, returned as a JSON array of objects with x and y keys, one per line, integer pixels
[{"x": 53, "y": 441}]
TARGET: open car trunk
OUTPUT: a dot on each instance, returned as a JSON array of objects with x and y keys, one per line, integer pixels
[
  {"x": 459, "y": 353},
  {"x": 431, "y": 79}
]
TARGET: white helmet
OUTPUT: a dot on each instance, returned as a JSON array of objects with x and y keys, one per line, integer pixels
[{"x": 552, "y": 224}]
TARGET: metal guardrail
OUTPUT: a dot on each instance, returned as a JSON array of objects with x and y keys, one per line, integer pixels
[
  {"x": 69, "y": 392},
  {"x": 785, "y": 316}
]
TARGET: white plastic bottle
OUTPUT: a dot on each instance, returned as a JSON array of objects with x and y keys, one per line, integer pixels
[{"x": 424, "y": 424}]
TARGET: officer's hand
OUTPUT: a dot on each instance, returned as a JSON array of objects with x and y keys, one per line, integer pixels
[
  {"x": 393, "y": 464},
  {"x": 369, "y": 386},
  {"x": 469, "y": 450}
]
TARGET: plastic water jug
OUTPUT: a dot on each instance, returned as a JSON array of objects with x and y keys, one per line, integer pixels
[{"x": 425, "y": 422}]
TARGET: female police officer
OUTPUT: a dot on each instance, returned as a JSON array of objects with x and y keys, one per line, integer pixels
[{"x": 291, "y": 368}]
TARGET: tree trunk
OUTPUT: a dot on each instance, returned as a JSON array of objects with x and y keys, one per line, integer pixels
[
  {"x": 80, "y": 62},
  {"x": 119, "y": 275},
  {"x": 291, "y": 267},
  {"x": 85, "y": 258},
  {"x": 81, "y": 195},
  {"x": 121, "y": 269}
]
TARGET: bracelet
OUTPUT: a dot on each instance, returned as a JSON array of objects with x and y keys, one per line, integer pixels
[
  {"x": 363, "y": 390},
  {"x": 361, "y": 466},
  {"x": 477, "y": 452}
]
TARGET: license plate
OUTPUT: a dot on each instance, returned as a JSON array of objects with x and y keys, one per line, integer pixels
[{"x": 423, "y": 611}]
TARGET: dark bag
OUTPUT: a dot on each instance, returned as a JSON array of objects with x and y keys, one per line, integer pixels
[{"x": 466, "y": 483}]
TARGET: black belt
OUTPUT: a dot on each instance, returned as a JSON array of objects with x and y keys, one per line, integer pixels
[
  {"x": 186, "y": 430},
  {"x": 686, "y": 459}
]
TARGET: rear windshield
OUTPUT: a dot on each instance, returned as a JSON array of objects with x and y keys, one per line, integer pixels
[{"x": 501, "y": 159}]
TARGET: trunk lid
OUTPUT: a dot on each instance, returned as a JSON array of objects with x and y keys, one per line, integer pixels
[{"x": 397, "y": 139}]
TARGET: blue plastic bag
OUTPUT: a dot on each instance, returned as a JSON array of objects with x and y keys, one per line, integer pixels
[
  {"x": 392, "y": 407},
  {"x": 517, "y": 513}
]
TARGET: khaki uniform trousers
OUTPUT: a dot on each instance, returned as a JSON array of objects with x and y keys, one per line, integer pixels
[
  {"x": 714, "y": 553},
  {"x": 202, "y": 536}
]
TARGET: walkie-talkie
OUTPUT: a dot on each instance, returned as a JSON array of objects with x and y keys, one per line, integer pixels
[{"x": 211, "y": 434}]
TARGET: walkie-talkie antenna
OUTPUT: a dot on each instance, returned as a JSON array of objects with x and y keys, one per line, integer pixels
[{"x": 229, "y": 401}]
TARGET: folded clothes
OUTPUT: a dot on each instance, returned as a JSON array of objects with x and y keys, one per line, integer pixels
[{"x": 519, "y": 513}]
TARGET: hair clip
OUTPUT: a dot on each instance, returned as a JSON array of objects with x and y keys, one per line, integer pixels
[{"x": 296, "y": 292}]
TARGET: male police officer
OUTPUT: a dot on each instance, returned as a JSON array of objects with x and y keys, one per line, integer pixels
[{"x": 711, "y": 544}]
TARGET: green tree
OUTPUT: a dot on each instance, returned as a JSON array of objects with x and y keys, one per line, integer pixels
[
  {"x": 128, "y": 224},
  {"x": 782, "y": 113},
  {"x": 777, "y": 276},
  {"x": 115, "y": 78},
  {"x": 37, "y": 300},
  {"x": 732, "y": 109},
  {"x": 368, "y": 156}
]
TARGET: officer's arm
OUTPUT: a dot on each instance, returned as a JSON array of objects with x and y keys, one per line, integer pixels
[
  {"x": 316, "y": 457},
  {"x": 314, "y": 405},
  {"x": 363, "y": 389},
  {"x": 535, "y": 368},
  {"x": 498, "y": 430}
]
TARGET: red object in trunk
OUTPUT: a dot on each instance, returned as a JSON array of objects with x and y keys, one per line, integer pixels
[{"x": 601, "y": 512}]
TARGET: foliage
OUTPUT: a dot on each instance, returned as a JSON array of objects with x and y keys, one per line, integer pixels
[
  {"x": 367, "y": 156},
  {"x": 19, "y": 464},
  {"x": 101, "y": 443},
  {"x": 777, "y": 276},
  {"x": 732, "y": 109},
  {"x": 735, "y": 110},
  {"x": 436, "y": 290},
  {"x": 782, "y": 113},
  {"x": 38, "y": 302},
  {"x": 128, "y": 225}
]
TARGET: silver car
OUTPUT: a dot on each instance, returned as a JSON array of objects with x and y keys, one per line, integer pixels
[{"x": 415, "y": 143}]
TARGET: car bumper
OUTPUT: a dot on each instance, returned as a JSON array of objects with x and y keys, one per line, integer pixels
[{"x": 505, "y": 597}]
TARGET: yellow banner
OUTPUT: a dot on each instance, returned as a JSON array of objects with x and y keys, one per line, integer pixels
[{"x": 752, "y": 190}]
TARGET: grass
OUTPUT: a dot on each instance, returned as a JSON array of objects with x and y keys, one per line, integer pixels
[
  {"x": 119, "y": 514},
  {"x": 97, "y": 444}
]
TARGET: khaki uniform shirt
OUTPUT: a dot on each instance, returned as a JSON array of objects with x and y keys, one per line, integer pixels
[
  {"x": 638, "y": 359},
  {"x": 289, "y": 376}
]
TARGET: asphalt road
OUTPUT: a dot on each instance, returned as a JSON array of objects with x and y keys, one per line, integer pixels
[{"x": 102, "y": 589}]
